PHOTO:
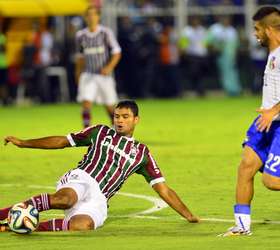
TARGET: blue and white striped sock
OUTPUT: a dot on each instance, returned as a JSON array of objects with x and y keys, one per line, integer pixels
[{"x": 242, "y": 214}]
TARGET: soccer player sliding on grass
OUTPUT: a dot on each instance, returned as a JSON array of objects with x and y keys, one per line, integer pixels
[
  {"x": 112, "y": 156},
  {"x": 262, "y": 146}
]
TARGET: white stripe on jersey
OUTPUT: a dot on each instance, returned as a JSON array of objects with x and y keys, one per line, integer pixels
[
  {"x": 124, "y": 175},
  {"x": 157, "y": 180},
  {"x": 271, "y": 81},
  {"x": 117, "y": 168},
  {"x": 112, "y": 163},
  {"x": 95, "y": 150},
  {"x": 71, "y": 141}
]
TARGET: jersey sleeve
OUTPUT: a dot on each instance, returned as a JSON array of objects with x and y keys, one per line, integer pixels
[
  {"x": 150, "y": 170},
  {"x": 113, "y": 43},
  {"x": 85, "y": 137}
]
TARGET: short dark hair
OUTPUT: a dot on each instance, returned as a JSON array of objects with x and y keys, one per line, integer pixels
[
  {"x": 265, "y": 11},
  {"x": 93, "y": 7},
  {"x": 130, "y": 104}
]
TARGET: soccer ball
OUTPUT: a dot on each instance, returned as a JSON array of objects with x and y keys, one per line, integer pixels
[{"x": 23, "y": 218}]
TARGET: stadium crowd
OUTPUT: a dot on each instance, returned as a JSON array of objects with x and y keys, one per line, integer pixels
[{"x": 211, "y": 52}]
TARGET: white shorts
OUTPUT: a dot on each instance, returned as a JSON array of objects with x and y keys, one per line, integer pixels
[
  {"x": 90, "y": 202},
  {"x": 97, "y": 88}
]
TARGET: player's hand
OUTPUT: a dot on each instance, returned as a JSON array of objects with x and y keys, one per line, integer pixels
[
  {"x": 193, "y": 219},
  {"x": 13, "y": 140},
  {"x": 106, "y": 71},
  {"x": 266, "y": 118}
]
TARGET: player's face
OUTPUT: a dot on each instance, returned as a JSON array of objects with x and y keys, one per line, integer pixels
[
  {"x": 261, "y": 34},
  {"x": 92, "y": 17},
  {"x": 125, "y": 121}
]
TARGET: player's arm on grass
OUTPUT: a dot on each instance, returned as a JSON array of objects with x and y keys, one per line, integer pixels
[
  {"x": 266, "y": 117},
  {"x": 173, "y": 200},
  {"x": 51, "y": 142}
]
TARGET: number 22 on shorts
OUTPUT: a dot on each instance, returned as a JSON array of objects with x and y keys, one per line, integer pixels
[{"x": 272, "y": 162}]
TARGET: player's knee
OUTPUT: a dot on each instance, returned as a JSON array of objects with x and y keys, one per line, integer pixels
[
  {"x": 64, "y": 199},
  {"x": 246, "y": 168},
  {"x": 81, "y": 223},
  {"x": 271, "y": 182}
]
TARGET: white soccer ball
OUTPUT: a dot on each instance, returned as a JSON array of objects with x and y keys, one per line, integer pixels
[{"x": 23, "y": 218}]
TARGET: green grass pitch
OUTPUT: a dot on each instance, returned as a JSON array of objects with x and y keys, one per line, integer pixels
[{"x": 197, "y": 146}]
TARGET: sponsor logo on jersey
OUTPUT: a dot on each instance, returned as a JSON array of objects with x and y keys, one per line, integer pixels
[
  {"x": 107, "y": 143},
  {"x": 74, "y": 177},
  {"x": 95, "y": 50},
  {"x": 133, "y": 151}
]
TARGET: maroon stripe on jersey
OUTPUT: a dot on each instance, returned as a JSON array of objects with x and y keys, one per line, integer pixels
[
  {"x": 97, "y": 152},
  {"x": 85, "y": 164},
  {"x": 64, "y": 179},
  {"x": 130, "y": 170},
  {"x": 98, "y": 167},
  {"x": 139, "y": 157},
  {"x": 109, "y": 161},
  {"x": 137, "y": 160},
  {"x": 117, "y": 173}
]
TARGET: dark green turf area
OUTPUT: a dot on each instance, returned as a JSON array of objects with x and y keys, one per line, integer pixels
[{"x": 197, "y": 144}]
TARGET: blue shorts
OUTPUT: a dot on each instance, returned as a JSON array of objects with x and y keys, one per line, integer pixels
[{"x": 267, "y": 147}]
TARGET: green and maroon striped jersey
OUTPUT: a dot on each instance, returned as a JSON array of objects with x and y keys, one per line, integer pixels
[{"x": 112, "y": 158}]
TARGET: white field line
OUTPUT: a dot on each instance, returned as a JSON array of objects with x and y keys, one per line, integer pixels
[{"x": 158, "y": 204}]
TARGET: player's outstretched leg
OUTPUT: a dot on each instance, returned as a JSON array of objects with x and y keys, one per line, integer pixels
[
  {"x": 41, "y": 202},
  {"x": 53, "y": 225},
  {"x": 248, "y": 168},
  {"x": 80, "y": 222},
  {"x": 65, "y": 198},
  {"x": 76, "y": 223}
]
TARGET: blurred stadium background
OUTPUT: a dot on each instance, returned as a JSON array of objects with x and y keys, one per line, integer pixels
[{"x": 171, "y": 48}]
